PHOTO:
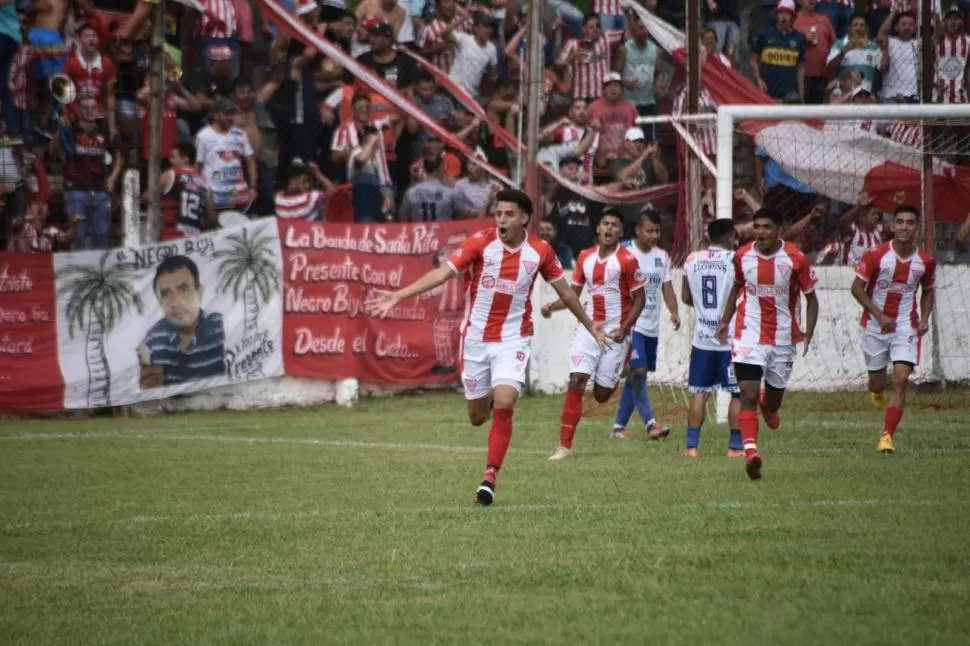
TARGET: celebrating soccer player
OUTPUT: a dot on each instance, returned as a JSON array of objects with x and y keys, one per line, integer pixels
[
  {"x": 769, "y": 273},
  {"x": 887, "y": 279},
  {"x": 708, "y": 279},
  {"x": 655, "y": 267},
  {"x": 503, "y": 263},
  {"x": 612, "y": 276}
]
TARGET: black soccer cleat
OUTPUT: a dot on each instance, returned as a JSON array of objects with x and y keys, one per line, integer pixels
[
  {"x": 752, "y": 465},
  {"x": 485, "y": 494}
]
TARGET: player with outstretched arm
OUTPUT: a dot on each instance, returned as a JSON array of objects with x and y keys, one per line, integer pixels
[
  {"x": 708, "y": 280},
  {"x": 887, "y": 279},
  {"x": 613, "y": 278},
  {"x": 502, "y": 264},
  {"x": 769, "y": 274}
]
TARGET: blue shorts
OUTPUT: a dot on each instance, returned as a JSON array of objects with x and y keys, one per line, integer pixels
[
  {"x": 710, "y": 368},
  {"x": 643, "y": 352}
]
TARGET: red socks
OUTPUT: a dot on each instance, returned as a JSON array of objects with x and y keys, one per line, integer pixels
[
  {"x": 572, "y": 411},
  {"x": 893, "y": 415},
  {"x": 499, "y": 436},
  {"x": 748, "y": 421}
]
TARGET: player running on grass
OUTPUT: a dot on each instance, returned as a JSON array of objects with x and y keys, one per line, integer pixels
[
  {"x": 769, "y": 274},
  {"x": 612, "y": 276},
  {"x": 887, "y": 279},
  {"x": 655, "y": 267},
  {"x": 502, "y": 264},
  {"x": 708, "y": 279}
]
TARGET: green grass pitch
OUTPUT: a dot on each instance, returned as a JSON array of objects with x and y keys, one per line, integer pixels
[{"x": 356, "y": 526}]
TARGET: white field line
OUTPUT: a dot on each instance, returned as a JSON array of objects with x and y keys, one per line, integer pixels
[
  {"x": 170, "y": 434},
  {"x": 373, "y": 514}
]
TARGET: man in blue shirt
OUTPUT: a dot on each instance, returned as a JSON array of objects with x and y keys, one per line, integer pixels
[
  {"x": 778, "y": 58},
  {"x": 187, "y": 344}
]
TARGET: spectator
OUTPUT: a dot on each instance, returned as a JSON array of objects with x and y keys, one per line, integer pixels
[
  {"x": 952, "y": 48},
  {"x": 839, "y": 13},
  {"x": 430, "y": 200},
  {"x": 547, "y": 232},
  {"x": 474, "y": 194},
  {"x": 32, "y": 233},
  {"x": 221, "y": 151},
  {"x": 565, "y": 137},
  {"x": 901, "y": 54},
  {"x": 614, "y": 115},
  {"x": 724, "y": 18},
  {"x": 299, "y": 200},
  {"x": 780, "y": 190},
  {"x": 94, "y": 74},
  {"x": 88, "y": 183},
  {"x": 433, "y": 103},
  {"x": 587, "y": 61},
  {"x": 640, "y": 166},
  {"x": 218, "y": 27},
  {"x": 856, "y": 52},
  {"x": 819, "y": 39},
  {"x": 390, "y": 12},
  {"x": 639, "y": 73},
  {"x": 359, "y": 144},
  {"x": 432, "y": 42},
  {"x": 46, "y": 38},
  {"x": 610, "y": 13},
  {"x": 778, "y": 58},
  {"x": 571, "y": 213},
  {"x": 11, "y": 40},
  {"x": 475, "y": 56},
  {"x": 187, "y": 207}
]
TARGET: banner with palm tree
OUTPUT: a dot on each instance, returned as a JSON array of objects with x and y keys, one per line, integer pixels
[{"x": 151, "y": 322}]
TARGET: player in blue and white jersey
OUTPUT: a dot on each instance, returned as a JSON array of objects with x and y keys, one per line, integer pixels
[
  {"x": 655, "y": 266},
  {"x": 708, "y": 278}
]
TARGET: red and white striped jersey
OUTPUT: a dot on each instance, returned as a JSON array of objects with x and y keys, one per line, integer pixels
[
  {"x": 769, "y": 294},
  {"x": 610, "y": 282},
  {"x": 431, "y": 36},
  {"x": 219, "y": 19},
  {"x": 302, "y": 206},
  {"x": 590, "y": 67},
  {"x": 607, "y": 7},
  {"x": 949, "y": 84},
  {"x": 857, "y": 243},
  {"x": 905, "y": 133},
  {"x": 347, "y": 139},
  {"x": 20, "y": 66},
  {"x": 892, "y": 283},
  {"x": 706, "y": 134},
  {"x": 500, "y": 280},
  {"x": 573, "y": 134}
]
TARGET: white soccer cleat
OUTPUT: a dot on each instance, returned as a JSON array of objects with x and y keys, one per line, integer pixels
[{"x": 562, "y": 453}]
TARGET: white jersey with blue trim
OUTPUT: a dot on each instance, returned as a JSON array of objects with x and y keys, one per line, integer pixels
[
  {"x": 710, "y": 276},
  {"x": 655, "y": 266}
]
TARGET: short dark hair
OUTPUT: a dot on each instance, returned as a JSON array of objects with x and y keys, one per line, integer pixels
[
  {"x": 433, "y": 164},
  {"x": 611, "y": 212},
  {"x": 720, "y": 230},
  {"x": 768, "y": 213},
  {"x": 517, "y": 197},
  {"x": 424, "y": 77},
  {"x": 360, "y": 96},
  {"x": 707, "y": 31},
  {"x": 648, "y": 215},
  {"x": 550, "y": 222},
  {"x": 590, "y": 16},
  {"x": 86, "y": 26},
  {"x": 173, "y": 264},
  {"x": 906, "y": 208},
  {"x": 186, "y": 149},
  {"x": 859, "y": 16}
]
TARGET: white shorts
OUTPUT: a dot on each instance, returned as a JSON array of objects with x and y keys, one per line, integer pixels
[
  {"x": 497, "y": 363},
  {"x": 775, "y": 360},
  {"x": 604, "y": 366},
  {"x": 879, "y": 350}
]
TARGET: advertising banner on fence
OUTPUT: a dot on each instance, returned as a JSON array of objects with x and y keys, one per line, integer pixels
[
  {"x": 161, "y": 320},
  {"x": 328, "y": 270}
]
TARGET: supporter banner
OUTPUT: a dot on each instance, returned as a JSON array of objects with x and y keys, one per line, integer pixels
[
  {"x": 30, "y": 378},
  {"x": 151, "y": 322},
  {"x": 328, "y": 271}
]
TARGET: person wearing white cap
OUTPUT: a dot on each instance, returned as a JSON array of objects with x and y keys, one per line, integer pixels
[
  {"x": 613, "y": 115},
  {"x": 778, "y": 56},
  {"x": 641, "y": 166}
]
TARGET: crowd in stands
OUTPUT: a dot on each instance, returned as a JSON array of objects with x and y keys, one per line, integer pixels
[{"x": 256, "y": 122}]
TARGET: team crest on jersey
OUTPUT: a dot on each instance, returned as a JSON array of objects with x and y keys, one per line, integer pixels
[
  {"x": 488, "y": 282},
  {"x": 612, "y": 274},
  {"x": 520, "y": 356},
  {"x": 785, "y": 271},
  {"x": 529, "y": 266},
  {"x": 470, "y": 383},
  {"x": 658, "y": 262}
]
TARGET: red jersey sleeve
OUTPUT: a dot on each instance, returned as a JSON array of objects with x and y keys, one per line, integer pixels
[
  {"x": 469, "y": 251},
  {"x": 928, "y": 281},
  {"x": 549, "y": 266},
  {"x": 804, "y": 273},
  {"x": 867, "y": 268}
]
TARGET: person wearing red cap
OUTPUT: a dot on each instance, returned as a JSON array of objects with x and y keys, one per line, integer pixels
[{"x": 778, "y": 56}]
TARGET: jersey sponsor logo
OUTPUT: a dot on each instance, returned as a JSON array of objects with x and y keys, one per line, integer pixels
[
  {"x": 765, "y": 290},
  {"x": 785, "y": 271},
  {"x": 779, "y": 57},
  {"x": 896, "y": 287},
  {"x": 503, "y": 286}
]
